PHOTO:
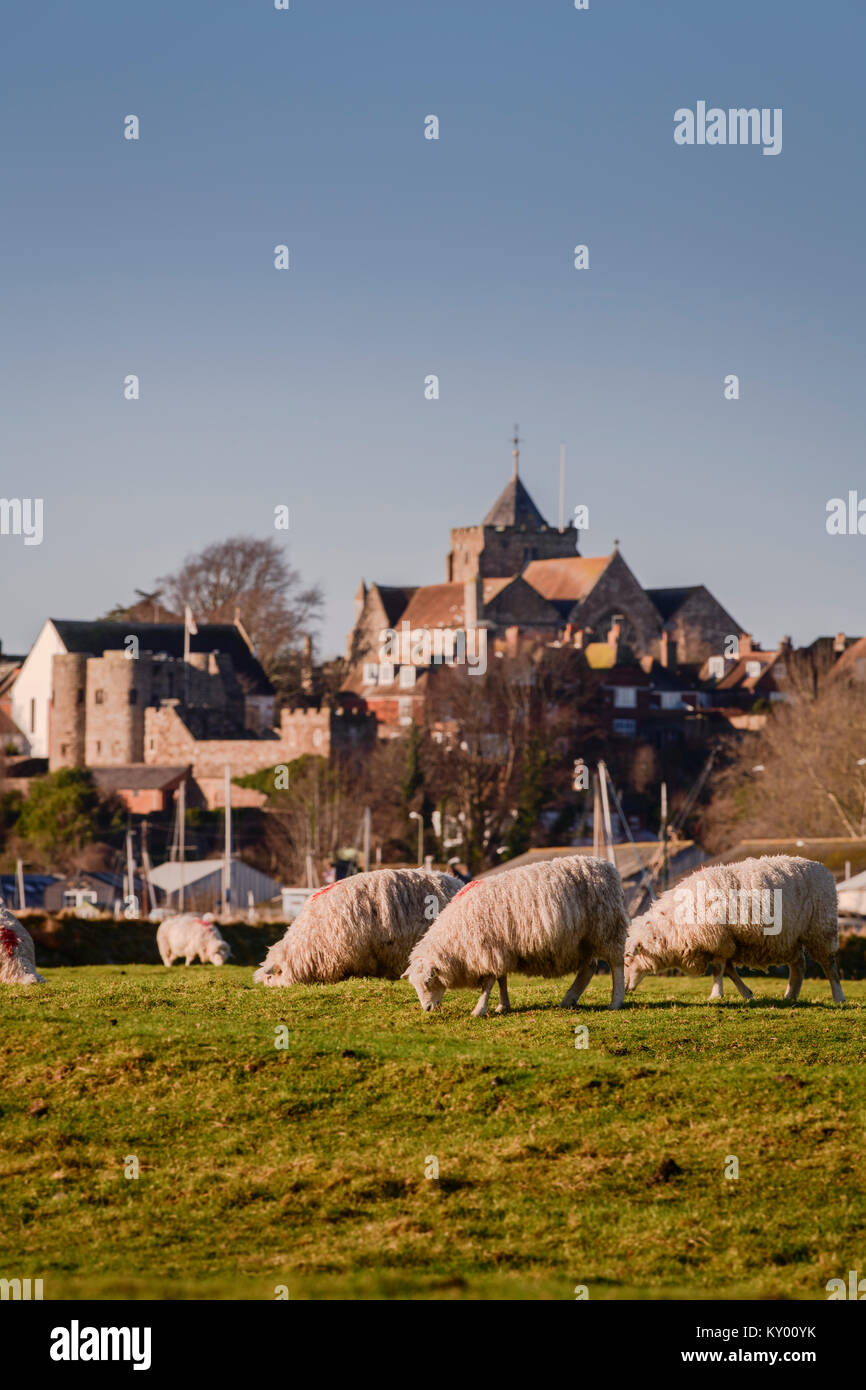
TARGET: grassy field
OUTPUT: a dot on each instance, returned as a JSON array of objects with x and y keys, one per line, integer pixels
[{"x": 558, "y": 1166}]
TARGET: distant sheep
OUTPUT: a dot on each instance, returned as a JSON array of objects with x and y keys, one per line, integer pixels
[
  {"x": 759, "y": 912},
  {"x": 17, "y": 957},
  {"x": 190, "y": 936},
  {"x": 363, "y": 925},
  {"x": 542, "y": 919}
]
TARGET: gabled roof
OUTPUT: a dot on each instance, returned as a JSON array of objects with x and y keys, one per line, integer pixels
[
  {"x": 443, "y": 605},
  {"x": 394, "y": 598},
  {"x": 8, "y": 727},
  {"x": 738, "y": 676},
  {"x": 669, "y": 601},
  {"x": 853, "y": 659},
  {"x": 515, "y": 507},
  {"x": 571, "y": 577},
  {"x": 93, "y": 638}
]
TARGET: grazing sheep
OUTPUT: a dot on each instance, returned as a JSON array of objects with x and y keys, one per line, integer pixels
[
  {"x": 17, "y": 957},
  {"x": 542, "y": 919},
  {"x": 760, "y": 912},
  {"x": 191, "y": 936},
  {"x": 363, "y": 925}
]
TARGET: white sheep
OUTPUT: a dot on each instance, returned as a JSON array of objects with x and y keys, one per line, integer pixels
[
  {"x": 363, "y": 925},
  {"x": 549, "y": 919},
  {"x": 758, "y": 913},
  {"x": 17, "y": 956},
  {"x": 190, "y": 936}
]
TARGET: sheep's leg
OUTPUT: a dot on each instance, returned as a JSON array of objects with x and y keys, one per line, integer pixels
[
  {"x": 830, "y": 965},
  {"x": 795, "y": 977},
  {"x": 487, "y": 984},
  {"x": 732, "y": 974},
  {"x": 717, "y": 991},
  {"x": 617, "y": 998},
  {"x": 578, "y": 985},
  {"x": 504, "y": 1005}
]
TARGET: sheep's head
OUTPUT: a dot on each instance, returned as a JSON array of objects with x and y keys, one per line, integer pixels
[
  {"x": 220, "y": 952},
  {"x": 638, "y": 958},
  {"x": 428, "y": 986}
]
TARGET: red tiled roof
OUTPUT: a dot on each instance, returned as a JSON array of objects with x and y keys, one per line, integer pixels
[{"x": 571, "y": 577}]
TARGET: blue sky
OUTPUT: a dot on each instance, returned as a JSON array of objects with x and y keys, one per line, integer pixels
[{"x": 412, "y": 257}]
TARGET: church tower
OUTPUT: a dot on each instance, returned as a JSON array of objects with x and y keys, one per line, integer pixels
[{"x": 511, "y": 536}]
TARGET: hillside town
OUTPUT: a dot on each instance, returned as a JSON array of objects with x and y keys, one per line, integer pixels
[{"x": 460, "y": 727}]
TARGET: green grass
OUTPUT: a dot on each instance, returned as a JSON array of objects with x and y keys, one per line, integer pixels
[{"x": 558, "y": 1166}]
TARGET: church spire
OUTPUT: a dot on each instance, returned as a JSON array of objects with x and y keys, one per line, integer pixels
[{"x": 515, "y": 452}]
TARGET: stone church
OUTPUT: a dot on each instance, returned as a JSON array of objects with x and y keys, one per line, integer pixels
[{"x": 521, "y": 578}]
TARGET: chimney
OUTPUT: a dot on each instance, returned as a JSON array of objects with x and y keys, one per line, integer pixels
[
  {"x": 579, "y": 639},
  {"x": 512, "y": 635},
  {"x": 745, "y": 645},
  {"x": 473, "y": 603},
  {"x": 839, "y": 643}
]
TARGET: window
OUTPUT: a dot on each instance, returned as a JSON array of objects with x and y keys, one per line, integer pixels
[
  {"x": 386, "y": 673},
  {"x": 80, "y": 695},
  {"x": 753, "y": 669},
  {"x": 407, "y": 677},
  {"x": 625, "y": 697},
  {"x": 99, "y": 697},
  {"x": 671, "y": 699},
  {"x": 370, "y": 673},
  {"x": 716, "y": 669},
  {"x": 625, "y": 726},
  {"x": 33, "y": 716},
  {"x": 99, "y": 747},
  {"x": 133, "y": 697},
  {"x": 63, "y": 750},
  {"x": 79, "y": 897},
  {"x": 404, "y": 710},
  {"x": 317, "y": 738}
]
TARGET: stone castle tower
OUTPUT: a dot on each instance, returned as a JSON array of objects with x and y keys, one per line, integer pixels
[
  {"x": 99, "y": 702},
  {"x": 511, "y": 536}
]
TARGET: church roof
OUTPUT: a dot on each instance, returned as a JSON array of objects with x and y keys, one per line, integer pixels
[
  {"x": 570, "y": 577},
  {"x": 515, "y": 507},
  {"x": 394, "y": 598},
  {"x": 443, "y": 605},
  {"x": 670, "y": 601}
]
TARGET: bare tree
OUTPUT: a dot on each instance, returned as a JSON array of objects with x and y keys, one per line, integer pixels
[
  {"x": 252, "y": 577},
  {"x": 803, "y": 774}
]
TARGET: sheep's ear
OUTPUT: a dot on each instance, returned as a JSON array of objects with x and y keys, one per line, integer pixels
[{"x": 405, "y": 975}]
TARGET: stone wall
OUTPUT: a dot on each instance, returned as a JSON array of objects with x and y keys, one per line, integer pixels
[
  {"x": 700, "y": 627},
  {"x": 617, "y": 591},
  {"x": 495, "y": 552}
]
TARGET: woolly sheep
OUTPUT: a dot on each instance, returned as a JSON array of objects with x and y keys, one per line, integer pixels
[
  {"x": 541, "y": 919},
  {"x": 759, "y": 912},
  {"x": 363, "y": 925},
  {"x": 190, "y": 936},
  {"x": 17, "y": 956}
]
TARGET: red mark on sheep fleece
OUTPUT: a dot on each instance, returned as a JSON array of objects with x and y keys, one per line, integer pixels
[
  {"x": 475, "y": 883},
  {"x": 8, "y": 940},
  {"x": 327, "y": 888}
]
